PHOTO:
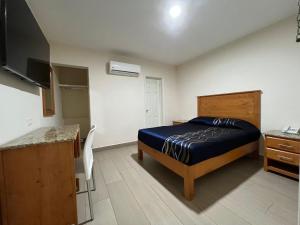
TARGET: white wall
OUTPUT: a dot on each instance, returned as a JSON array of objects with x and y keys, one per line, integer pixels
[
  {"x": 21, "y": 108},
  {"x": 268, "y": 60},
  {"x": 117, "y": 103}
]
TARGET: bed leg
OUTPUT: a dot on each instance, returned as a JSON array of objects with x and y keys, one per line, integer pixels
[
  {"x": 140, "y": 155},
  {"x": 189, "y": 188}
]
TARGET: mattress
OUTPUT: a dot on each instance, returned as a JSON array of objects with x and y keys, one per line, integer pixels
[{"x": 199, "y": 139}]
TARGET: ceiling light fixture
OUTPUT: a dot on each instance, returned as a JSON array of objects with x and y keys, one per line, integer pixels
[{"x": 175, "y": 11}]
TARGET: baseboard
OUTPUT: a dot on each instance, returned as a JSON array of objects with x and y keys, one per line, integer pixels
[{"x": 114, "y": 146}]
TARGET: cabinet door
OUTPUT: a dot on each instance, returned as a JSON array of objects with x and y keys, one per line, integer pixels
[
  {"x": 3, "y": 210},
  {"x": 40, "y": 185},
  {"x": 21, "y": 169}
]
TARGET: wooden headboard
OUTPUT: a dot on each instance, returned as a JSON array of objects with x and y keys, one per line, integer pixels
[{"x": 239, "y": 105}]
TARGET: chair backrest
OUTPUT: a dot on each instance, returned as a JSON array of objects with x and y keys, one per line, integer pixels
[{"x": 88, "y": 158}]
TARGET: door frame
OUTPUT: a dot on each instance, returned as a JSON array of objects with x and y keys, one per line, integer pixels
[{"x": 160, "y": 79}]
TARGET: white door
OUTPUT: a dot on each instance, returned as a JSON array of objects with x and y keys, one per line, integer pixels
[{"x": 153, "y": 100}]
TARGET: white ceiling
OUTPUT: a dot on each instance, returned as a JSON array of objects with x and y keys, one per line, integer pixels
[{"x": 144, "y": 27}]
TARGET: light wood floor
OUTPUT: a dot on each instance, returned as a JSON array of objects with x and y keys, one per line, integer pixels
[{"x": 130, "y": 193}]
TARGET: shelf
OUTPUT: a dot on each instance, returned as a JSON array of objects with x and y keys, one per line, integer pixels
[
  {"x": 73, "y": 86},
  {"x": 282, "y": 168},
  {"x": 284, "y": 172}
]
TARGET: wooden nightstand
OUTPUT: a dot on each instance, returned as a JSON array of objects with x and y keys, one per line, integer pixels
[
  {"x": 176, "y": 122},
  {"x": 282, "y": 153}
]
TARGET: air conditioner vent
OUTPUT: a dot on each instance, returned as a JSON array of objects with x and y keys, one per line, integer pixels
[{"x": 124, "y": 69}]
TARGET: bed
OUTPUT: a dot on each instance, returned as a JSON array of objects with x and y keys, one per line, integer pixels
[{"x": 227, "y": 128}]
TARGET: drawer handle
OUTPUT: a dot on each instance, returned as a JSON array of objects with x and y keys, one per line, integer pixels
[
  {"x": 284, "y": 158},
  {"x": 285, "y": 146}
]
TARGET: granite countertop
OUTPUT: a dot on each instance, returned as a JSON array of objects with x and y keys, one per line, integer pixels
[
  {"x": 278, "y": 133},
  {"x": 44, "y": 135}
]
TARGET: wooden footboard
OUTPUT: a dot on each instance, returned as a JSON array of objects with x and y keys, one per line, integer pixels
[{"x": 190, "y": 173}]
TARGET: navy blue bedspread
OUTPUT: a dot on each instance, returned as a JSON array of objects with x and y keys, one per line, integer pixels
[{"x": 200, "y": 138}]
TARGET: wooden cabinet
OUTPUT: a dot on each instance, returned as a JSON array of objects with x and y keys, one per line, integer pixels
[
  {"x": 37, "y": 183},
  {"x": 282, "y": 153}
]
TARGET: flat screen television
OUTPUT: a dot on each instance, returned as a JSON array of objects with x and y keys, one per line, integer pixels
[{"x": 24, "y": 49}]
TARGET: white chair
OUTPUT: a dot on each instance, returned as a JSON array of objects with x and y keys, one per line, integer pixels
[{"x": 87, "y": 168}]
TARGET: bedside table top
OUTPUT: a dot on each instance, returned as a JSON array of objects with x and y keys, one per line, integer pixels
[
  {"x": 180, "y": 121},
  {"x": 278, "y": 133}
]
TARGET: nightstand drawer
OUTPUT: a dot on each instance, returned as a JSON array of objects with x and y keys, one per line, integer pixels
[
  {"x": 283, "y": 156},
  {"x": 283, "y": 144}
]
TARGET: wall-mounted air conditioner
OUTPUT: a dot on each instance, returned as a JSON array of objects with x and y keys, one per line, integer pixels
[{"x": 124, "y": 69}]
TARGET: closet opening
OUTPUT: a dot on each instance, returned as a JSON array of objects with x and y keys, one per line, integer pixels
[{"x": 75, "y": 101}]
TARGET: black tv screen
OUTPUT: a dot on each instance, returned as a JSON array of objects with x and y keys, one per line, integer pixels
[{"x": 24, "y": 49}]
